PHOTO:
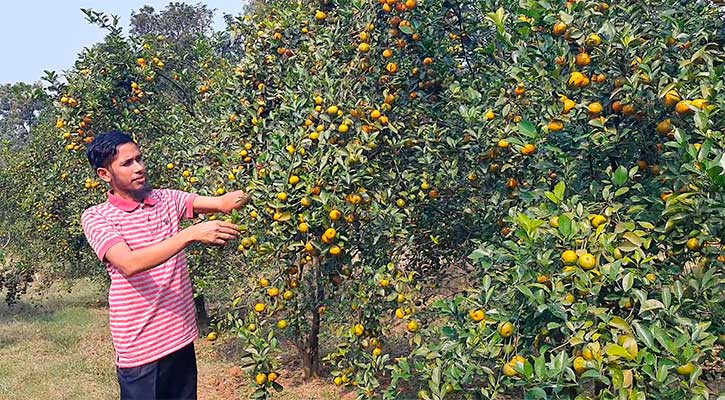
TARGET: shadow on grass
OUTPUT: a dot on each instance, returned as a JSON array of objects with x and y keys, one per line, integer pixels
[{"x": 43, "y": 304}]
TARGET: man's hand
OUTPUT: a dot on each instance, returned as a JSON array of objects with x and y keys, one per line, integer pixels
[
  {"x": 213, "y": 232},
  {"x": 234, "y": 201}
]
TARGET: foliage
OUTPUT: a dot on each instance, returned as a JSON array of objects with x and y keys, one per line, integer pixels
[{"x": 460, "y": 199}]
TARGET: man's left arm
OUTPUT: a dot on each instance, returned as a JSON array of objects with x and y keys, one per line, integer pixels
[{"x": 223, "y": 204}]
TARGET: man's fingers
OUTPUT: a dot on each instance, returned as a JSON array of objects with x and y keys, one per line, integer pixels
[
  {"x": 229, "y": 225},
  {"x": 225, "y": 236},
  {"x": 228, "y": 231}
]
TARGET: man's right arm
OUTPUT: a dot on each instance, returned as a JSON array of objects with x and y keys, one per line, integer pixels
[{"x": 131, "y": 262}]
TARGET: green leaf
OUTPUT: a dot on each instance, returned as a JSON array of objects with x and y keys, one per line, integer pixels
[
  {"x": 616, "y": 350},
  {"x": 627, "y": 281},
  {"x": 651, "y": 304},
  {"x": 644, "y": 334},
  {"x": 559, "y": 190},
  {"x": 620, "y": 323},
  {"x": 406, "y": 29},
  {"x": 527, "y": 128},
  {"x": 535, "y": 393},
  {"x": 565, "y": 225},
  {"x": 620, "y": 176}
]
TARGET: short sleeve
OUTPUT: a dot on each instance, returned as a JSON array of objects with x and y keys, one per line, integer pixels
[
  {"x": 184, "y": 202},
  {"x": 100, "y": 233}
]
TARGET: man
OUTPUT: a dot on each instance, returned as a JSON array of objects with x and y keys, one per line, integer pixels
[{"x": 136, "y": 234}]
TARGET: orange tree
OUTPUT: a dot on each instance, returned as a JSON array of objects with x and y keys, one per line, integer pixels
[{"x": 462, "y": 199}]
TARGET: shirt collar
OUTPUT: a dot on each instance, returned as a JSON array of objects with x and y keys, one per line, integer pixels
[{"x": 129, "y": 205}]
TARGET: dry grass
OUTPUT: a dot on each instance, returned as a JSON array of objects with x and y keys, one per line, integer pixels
[{"x": 59, "y": 347}]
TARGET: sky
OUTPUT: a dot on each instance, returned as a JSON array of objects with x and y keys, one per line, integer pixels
[{"x": 48, "y": 35}]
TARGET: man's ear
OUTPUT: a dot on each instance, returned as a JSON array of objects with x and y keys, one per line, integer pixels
[{"x": 104, "y": 174}]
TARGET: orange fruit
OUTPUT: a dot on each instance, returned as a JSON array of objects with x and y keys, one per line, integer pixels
[
  {"x": 587, "y": 261},
  {"x": 580, "y": 365},
  {"x": 555, "y": 125},
  {"x": 583, "y": 59},
  {"x": 683, "y": 107},
  {"x": 685, "y": 369},
  {"x": 528, "y": 149},
  {"x": 693, "y": 244},
  {"x": 672, "y": 98},
  {"x": 569, "y": 257},
  {"x": 629, "y": 109},
  {"x": 617, "y": 106},
  {"x": 505, "y": 329},
  {"x": 595, "y": 108},
  {"x": 568, "y": 106},
  {"x": 477, "y": 315},
  {"x": 559, "y": 28},
  {"x": 664, "y": 127}
]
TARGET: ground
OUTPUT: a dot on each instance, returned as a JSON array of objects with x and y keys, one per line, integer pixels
[{"x": 59, "y": 346}]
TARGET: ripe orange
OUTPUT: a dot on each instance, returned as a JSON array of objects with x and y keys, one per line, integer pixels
[
  {"x": 683, "y": 107},
  {"x": 583, "y": 59},
  {"x": 593, "y": 40},
  {"x": 617, "y": 106},
  {"x": 693, "y": 244},
  {"x": 569, "y": 257},
  {"x": 273, "y": 292},
  {"x": 672, "y": 98},
  {"x": 505, "y": 329},
  {"x": 261, "y": 379},
  {"x": 260, "y": 307},
  {"x": 528, "y": 149},
  {"x": 629, "y": 109},
  {"x": 664, "y": 127},
  {"x": 555, "y": 125},
  {"x": 477, "y": 315},
  {"x": 559, "y": 28},
  {"x": 503, "y": 143},
  {"x": 587, "y": 261},
  {"x": 568, "y": 105},
  {"x": 413, "y": 326},
  {"x": 580, "y": 365},
  {"x": 595, "y": 108},
  {"x": 597, "y": 220},
  {"x": 335, "y": 214}
]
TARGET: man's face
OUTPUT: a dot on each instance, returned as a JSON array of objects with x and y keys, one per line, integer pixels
[{"x": 127, "y": 172}]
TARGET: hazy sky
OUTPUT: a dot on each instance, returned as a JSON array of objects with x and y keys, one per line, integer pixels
[{"x": 48, "y": 35}]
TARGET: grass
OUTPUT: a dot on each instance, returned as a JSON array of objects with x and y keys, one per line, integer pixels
[{"x": 58, "y": 346}]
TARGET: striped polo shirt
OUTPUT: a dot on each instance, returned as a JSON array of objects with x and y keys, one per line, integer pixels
[{"x": 152, "y": 313}]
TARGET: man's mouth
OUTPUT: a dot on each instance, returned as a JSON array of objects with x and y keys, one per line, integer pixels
[{"x": 140, "y": 180}]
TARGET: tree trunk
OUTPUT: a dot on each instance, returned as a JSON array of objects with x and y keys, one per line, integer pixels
[
  {"x": 202, "y": 317},
  {"x": 310, "y": 352}
]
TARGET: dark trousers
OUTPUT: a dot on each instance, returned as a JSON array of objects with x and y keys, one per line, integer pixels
[{"x": 170, "y": 377}]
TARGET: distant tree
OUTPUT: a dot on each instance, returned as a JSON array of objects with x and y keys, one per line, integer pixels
[
  {"x": 181, "y": 23},
  {"x": 21, "y": 107}
]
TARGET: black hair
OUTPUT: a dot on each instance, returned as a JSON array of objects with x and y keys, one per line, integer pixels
[{"x": 105, "y": 147}]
